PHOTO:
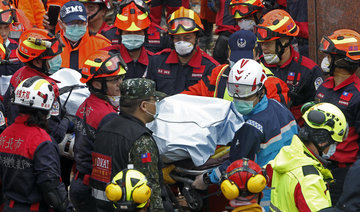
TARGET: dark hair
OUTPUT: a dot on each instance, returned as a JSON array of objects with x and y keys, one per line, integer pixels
[
  {"x": 37, "y": 117},
  {"x": 130, "y": 105}
]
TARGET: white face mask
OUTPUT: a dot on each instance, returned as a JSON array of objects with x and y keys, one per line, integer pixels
[
  {"x": 246, "y": 24},
  {"x": 183, "y": 47},
  {"x": 331, "y": 152},
  {"x": 114, "y": 100},
  {"x": 271, "y": 58},
  {"x": 325, "y": 65}
]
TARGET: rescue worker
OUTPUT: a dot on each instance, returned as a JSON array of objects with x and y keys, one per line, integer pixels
[
  {"x": 30, "y": 164},
  {"x": 34, "y": 10},
  {"x": 79, "y": 42},
  {"x": 156, "y": 38},
  {"x": 302, "y": 75},
  {"x": 10, "y": 63},
  {"x": 208, "y": 19},
  {"x": 129, "y": 191},
  {"x": 343, "y": 90},
  {"x": 242, "y": 45},
  {"x": 96, "y": 11},
  {"x": 232, "y": 16},
  {"x": 39, "y": 50},
  {"x": 126, "y": 140},
  {"x": 243, "y": 184},
  {"x": 268, "y": 124},
  {"x": 132, "y": 22},
  {"x": 299, "y": 179},
  {"x": 174, "y": 70},
  {"x": 103, "y": 73}
]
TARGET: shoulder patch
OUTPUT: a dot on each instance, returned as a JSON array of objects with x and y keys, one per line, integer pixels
[
  {"x": 255, "y": 124},
  {"x": 309, "y": 169},
  {"x": 318, "y": 82},
  {"x": 2, "y": 119}
]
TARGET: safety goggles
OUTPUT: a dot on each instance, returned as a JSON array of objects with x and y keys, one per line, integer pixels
[
  {"x": 243, "y": 9},
  {"x": 6, "y": 16},
  {"x": 263, "y": 33},
  {"x": 327, "y": 46},
  {"x": 111, "y": 65},
  {"x": 241, "y": 91},
  {"x": 139, "y": 3},
  {"x": 186, "y": 23}
]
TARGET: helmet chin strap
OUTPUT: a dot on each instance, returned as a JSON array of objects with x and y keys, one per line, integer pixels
[
  {"x": 332, "y": 65},
  {"x": 282, "y": 48}
]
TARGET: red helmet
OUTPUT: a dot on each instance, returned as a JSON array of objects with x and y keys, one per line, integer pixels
[
  {"x": 105, "y": 2},
  {"x": 133, "y": 15},
  {"x": 345, "y": 42},
  {"x": 275, "y": 24},
  {"x": 243, "y": 178},
  {"x": 243, "y": 8},
  {"x": 38, "y": 44},
  {"x": 102, "y": 64},
  {"x": 6, "y": 13},
  {"x": 184, "y": 21}
]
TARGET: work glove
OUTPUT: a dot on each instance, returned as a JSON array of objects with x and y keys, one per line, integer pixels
[
  {"x": 199, "y": 183},
  {"x": 166, "y": 174}
]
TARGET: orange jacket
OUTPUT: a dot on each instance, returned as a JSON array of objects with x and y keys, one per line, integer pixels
[
  {"x": 75, "y": 57},
  {"x": 21, "y": 24},
  {"x": 33, "y": 9},
  {"x": 56, "y": 2}
]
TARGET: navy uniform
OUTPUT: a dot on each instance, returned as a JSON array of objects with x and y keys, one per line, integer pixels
[{"x": 172, "y": 77}]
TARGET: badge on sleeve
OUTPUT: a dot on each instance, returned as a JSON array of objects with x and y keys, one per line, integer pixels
[
  {"x": 318, "y": 82},
  {"x": 2, "y": 119},
  {"x": 146, "y": 158}
]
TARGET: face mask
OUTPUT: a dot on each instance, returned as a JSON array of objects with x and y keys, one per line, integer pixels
[
  {"x": 75, "y": 32},
  {"x": 114, "y": 100},
  {"x": 156, "y": 110},
  {"x": 55, "y": 64},
  {"x": 183, "y": 47},
  {"x": 246, "y": 24},
  {"x": 325, "y": 65},
  {"x": 331, "y": 152},
  {"x": 271, "y": 58},
  {"x": 132, "y": 42},
  {"x": 243, "y": 107}
]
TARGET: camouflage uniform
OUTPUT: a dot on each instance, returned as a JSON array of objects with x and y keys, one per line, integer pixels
[{"x": 126, "y": 140}]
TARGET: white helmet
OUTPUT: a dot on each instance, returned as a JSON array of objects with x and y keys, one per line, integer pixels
[
  {"x": 246, "y": 77},
  {"x": 35, "y": 92}
]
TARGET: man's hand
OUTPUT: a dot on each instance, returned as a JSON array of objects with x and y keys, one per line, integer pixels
[{"x": 46, "y": 23}]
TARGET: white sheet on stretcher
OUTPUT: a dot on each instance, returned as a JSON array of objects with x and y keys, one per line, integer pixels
[{"x": 192, "y": 126}]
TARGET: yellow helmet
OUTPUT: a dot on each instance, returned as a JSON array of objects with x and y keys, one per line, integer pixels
[
  {"x": 128, "y": 190},
  {"x": 184, "y": 21},
  {"x": 329, "y": 117}
]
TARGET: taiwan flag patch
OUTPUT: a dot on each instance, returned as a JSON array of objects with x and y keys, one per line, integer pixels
[
  {"x": 146, "y": 158},
  {"x": 291, "y": 76},
  {"x": 346, "y": 96}
]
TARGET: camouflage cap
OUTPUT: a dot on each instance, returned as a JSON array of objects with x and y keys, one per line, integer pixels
[{"x": 139, "y": 88}]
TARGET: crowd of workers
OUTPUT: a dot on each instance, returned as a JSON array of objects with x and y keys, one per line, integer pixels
[{"x": 297, "y": 150}]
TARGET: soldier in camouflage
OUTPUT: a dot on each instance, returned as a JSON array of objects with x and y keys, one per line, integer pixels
[{"x": 126, "y": 140}]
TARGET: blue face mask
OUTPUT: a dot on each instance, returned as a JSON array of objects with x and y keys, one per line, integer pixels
[
  {"x": 243, "y": 107},
  {"x": 132, "y": 42},
  {"x": 75, "y": 32},
  {"x": 55, "y": 64}
]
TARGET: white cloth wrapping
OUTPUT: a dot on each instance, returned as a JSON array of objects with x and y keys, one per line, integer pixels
[{"x": 192, "y": 126}]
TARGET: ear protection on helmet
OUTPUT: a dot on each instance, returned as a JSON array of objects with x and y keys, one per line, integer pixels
[
  {"x": 125, "y": 196},
  {"x": 255, "y": 184}
]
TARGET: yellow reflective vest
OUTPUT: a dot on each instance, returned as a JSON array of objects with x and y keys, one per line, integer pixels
[{"x": 296, "y": 164}]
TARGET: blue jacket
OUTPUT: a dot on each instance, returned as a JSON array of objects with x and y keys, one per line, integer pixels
[{"x": 172, "y": 77}]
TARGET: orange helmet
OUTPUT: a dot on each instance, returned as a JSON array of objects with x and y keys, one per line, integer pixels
[
  {"x": 102, "y": 64},
  {"x": 6, "y": 13},
  {"x": 38, "y": 44},
  {"x": 133, "y": 15},
  {"x": 184, "y": 21},
  {"x": 345, "y": 42},
  {"x": 275, "y": 24},
  {"x": 104, "y": 2},
  {"x": 243, "y": 8}
]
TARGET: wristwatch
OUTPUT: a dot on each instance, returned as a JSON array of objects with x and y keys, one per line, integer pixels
[{"x": 206, "y": 178}]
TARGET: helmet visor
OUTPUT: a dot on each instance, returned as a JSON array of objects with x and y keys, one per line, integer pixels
[
  {"x": 6, "y": 17},
  {"x": 263, "y": 33},
  {"x": 186, "y": 23},
  {"x": 111, "y": 65},
  {"x": 243, "y": 9},
  {"x": 326, "y": 45},
  {"x": 241, "y": 91}
]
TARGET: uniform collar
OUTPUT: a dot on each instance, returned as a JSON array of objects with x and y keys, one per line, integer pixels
[
  {"x": 194, "y": 62},
  {"x": 143, "y": 58},
  {"x": 330, "y": 82}
]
